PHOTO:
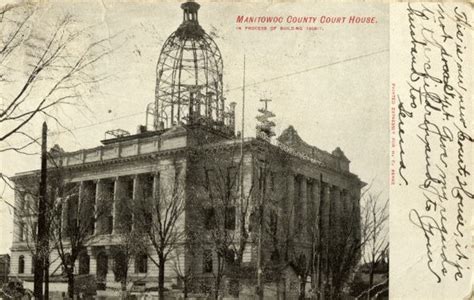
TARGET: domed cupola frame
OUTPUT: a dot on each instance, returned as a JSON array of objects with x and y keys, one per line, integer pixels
[{"x": 189, "y": 86}]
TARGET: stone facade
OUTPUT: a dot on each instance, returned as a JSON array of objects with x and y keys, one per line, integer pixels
[{"x": 302, "y": 194}]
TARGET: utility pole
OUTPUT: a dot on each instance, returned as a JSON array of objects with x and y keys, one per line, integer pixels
[
  {"x": 241, "y": 178},
  {"x": 262, "y": 180},
  {"x": 320, "y": 246},
  {"x": 264, "y": 131},
  {"x": 42, "y": 236}
]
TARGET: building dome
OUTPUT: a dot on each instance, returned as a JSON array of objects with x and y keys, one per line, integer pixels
[{"x": 189, "y": 77}]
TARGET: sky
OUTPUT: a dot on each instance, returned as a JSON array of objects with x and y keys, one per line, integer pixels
[{"x": 332, "y": 84}]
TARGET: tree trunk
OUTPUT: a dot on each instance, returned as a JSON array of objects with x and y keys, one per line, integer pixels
[
  {"x": 302, "y": 288},
  {"x": 371, "y": 279},
  {"x": 218, "y": 286},
  {"x": 185, "y": 288},
  {"x": 70, "y": 284},
  {"x": 161, "y": 277},
  {"x": 217, "y": 283}
]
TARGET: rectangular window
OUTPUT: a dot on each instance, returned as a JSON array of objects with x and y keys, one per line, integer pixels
[
  {"x": 232, "y": 176},
  {"x": 91, "y": 224},
  {"x": 147, "y": 187},
  {"x": 209, "y": 218},
  {"x": 207, "y": 261},
  {"x": 72, "y": 227},
  {"x": 110, "y": 224},
  {"x": 141, "y": 264},
  {"x": 21, "y": 201},
  {"x": 129, "y": 188},
  {"x": 109, "y": 190},
  {"x": 230, "y": 218},
  {"x": 21, "y": 232},
  {"x": 148, "y": 221},
  {"x": 34, "y": 231}
]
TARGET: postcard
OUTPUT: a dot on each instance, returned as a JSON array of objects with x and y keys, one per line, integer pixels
[{"x": 236, "y": 150}]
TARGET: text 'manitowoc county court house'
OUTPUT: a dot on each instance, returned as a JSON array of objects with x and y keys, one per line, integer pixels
[{"x": 306, "y": 194}]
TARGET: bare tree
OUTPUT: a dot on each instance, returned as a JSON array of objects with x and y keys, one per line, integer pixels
[
  {"x": 41, "y": 70},
  {"x": 185, "y": 271},
  {"x": 222, "y": 205},
  {"x": 77, "y": 210},
  {"x": 375, "y": 250},
  {"x": 160, "y": 217},
  {"x": 26, "y": 222},
  {"x": 130, "y": 246},
  {"x": 26, "y": 211}
]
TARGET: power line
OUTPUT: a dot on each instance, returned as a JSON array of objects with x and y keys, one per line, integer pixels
[
  {"x": 311, "y": 69},
  {"x": 240, "y": 87}
]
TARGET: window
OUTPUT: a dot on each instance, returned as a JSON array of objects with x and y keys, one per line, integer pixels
[
  {"x": 21, "y": 264},
  {"x": 147, "y": 221},
  {"x": 147, "y": 187},
  {"x": 209, "y": 218},
  {"x": 21, "y": 232},
  {"x": 128, "y": 184},
  {"x": 84, "y": 263},
  {"x": 110, "y": 224},
  {"x": 207, "y": 261},
  {"x": 91, "y": 226},
  {"x": 120, "y": 266},
  {"x": 21, "y": 201},
  {"x": 230, "y": 218},
  {"x": 72, "y": 226},
  {"x": 253, "y": 220},
  {"x": 231, "y": 176},
  {"x": 34, "y": 231},
  {"x": 102, "y": 266},
  {"x": 229, "y": 256},
  {"x": 109, "y": 188},
  {"x": 141, "y": 263}
]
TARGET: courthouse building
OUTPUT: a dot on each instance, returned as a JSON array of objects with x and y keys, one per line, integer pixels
[{"x": 189, "y": 132}]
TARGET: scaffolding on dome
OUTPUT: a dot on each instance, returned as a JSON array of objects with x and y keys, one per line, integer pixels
[{"x": 189, "y": 86}]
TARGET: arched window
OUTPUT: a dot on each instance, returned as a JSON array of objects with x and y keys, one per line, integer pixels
[
  {"x": 102, "y": 266},
  {"x": 141, "y": 263},
  {"x": 21, "y": 264},
  {"x": 84, "y": 263}
]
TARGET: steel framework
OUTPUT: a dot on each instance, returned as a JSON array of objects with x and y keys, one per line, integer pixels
[{"x": 189, "y": 87}]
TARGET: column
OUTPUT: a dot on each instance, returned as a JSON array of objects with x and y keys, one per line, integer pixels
[
  {"x": 95, "y": 205},
  {"x": 110, "y": 266},
  {"x": 64, "y": 216},
  {"x": 336, "y": 212},
  {"x": 92, "y": 261},
  {"x": 290, "y": 205},
  {"x": 325, "y": 210},
  {"x": 303, "y": 205},
  {"x": 116, "y": 197},
  {"x": 100, "y": 209},
  {"x": 325, "y": 230},
  {"x": 135, "y": 194},
  {"x": 80, "y": 194},
  {"x": 316, "y": 200},
  {"x": 156, "y": 186},
  {"x": 356, "y": 204},
  {"x": 347, "y": 211}
]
